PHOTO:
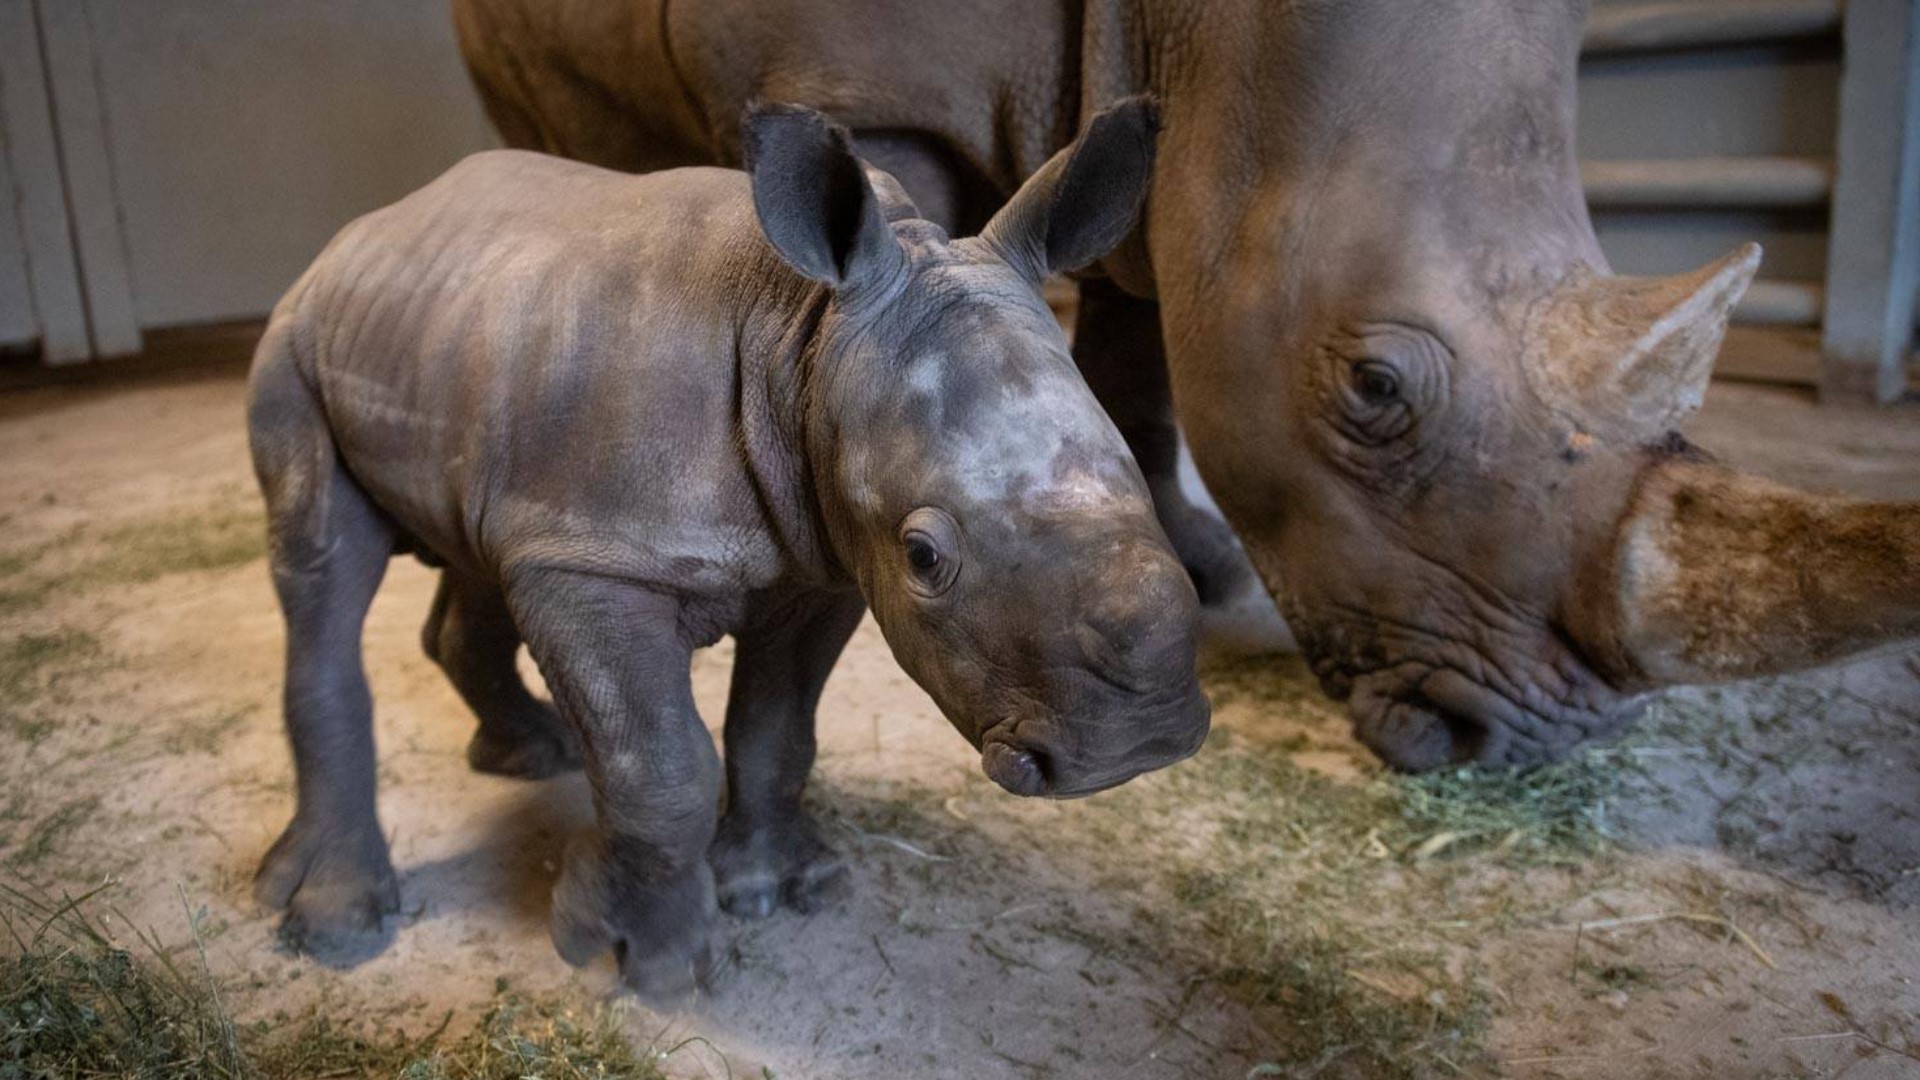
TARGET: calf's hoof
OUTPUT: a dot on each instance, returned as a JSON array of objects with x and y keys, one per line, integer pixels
[
  {"x": 659, "y": 931},
  {"x": 529, "y": 755},
  {"x": 757, "y": 868},
  {"x": 336, "y": 886}
]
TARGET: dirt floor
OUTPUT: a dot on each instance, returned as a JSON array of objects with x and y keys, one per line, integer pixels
[{"x": 1732, "y": 892}]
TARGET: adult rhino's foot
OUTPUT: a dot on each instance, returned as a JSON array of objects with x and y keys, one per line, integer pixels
[
  {"x": 658, "y": 931},
  {"x": 336, "y": 885},
  {"x": 759, "y": 865},
  {"x": 533, "y": 749}
]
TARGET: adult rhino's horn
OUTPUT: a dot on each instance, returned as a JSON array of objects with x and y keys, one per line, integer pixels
[
  {"x": 1723, "y": 576},
  {"x": 1630, "y": 356}
]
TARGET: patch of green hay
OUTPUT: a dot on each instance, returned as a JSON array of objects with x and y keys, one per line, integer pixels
[
  {"x": 206, "y": 734},
  {"x": 194, "y": 541},
  {"x": 1554, "y": 813},
  {"x": 74, "y": 1002},
  {"x": 46, "y": 835},
  {"x": 18, "y": 591},
  {"x": 26, "y": 659},
  {"x": 1347, "y": 910},
  {"x": 31, "y": 664},
  {"x": 517, "y": 1037},
  {"x": 204, "y": 541}
]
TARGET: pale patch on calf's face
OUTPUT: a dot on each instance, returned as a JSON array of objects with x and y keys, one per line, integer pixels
[{"x": 1048, "y": 448}]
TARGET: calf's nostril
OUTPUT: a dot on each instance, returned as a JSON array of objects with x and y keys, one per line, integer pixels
[{"x": 1016, "y": 770}]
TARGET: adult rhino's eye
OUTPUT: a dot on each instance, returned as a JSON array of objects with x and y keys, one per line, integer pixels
[
  {"x": 1375, "y": 382},
  {"x": 1389, "y": 378}
]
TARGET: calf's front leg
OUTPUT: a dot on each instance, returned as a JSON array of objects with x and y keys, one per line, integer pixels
[
  {"x": 638, "y": 881},
  {"x": 769, "y": 850}
]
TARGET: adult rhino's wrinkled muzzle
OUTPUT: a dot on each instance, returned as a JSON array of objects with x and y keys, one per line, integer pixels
[
  {"x": 1420, "y": 718},
  {"x": 1423, "y": 701}
]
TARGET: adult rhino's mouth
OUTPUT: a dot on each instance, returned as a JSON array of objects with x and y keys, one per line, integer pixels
[{"x": 1420, "y": 715}]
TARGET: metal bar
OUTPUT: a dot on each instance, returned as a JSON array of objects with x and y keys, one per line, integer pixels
[
  {"x": 1781, "y": 303},
  {"x": 1687, "y": 24},
  {"x": 33, "y": 158},
  {"x": 1873, "y": 255},
  {"x": 1709, "y": 182}
]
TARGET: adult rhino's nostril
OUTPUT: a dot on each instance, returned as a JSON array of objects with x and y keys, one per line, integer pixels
[{"x": 1016, "y": 770}]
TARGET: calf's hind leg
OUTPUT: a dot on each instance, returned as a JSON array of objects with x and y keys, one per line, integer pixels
[
  {"x": 330, "y": 870},
  {"x": 471, "y": 635}
]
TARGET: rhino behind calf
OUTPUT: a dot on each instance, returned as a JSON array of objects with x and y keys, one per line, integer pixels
[{"x": 625, "y": 428}]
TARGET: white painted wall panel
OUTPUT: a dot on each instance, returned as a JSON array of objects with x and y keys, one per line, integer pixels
[
  {"x": 18, "y": 326},
  {"x": 42, "y": 232},
  {"x": 244, "y": 133}
]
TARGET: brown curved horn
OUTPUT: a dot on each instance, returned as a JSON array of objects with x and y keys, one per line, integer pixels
[
  {"x": 1724, "y": 576},
  {"x": 1630, "y": 356}
]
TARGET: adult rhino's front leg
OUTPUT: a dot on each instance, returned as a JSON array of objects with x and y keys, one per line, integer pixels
[
  {"x": 769, "y": 849},
  {"x": 638, "y": 881},
  {"x": 1117, "y": 345}
]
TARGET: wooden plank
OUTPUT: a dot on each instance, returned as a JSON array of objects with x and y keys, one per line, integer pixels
[
  {"x": 1873, "y": 263},
  {"x": 1689, "y": 24},
  {"x": 33, "y": 161},
  {"x": 1770, "y": 354},
  {"x": 87, "y": 167},
  {"x": 1756, "y": 182}
]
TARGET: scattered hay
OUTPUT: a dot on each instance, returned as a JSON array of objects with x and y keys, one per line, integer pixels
[
  {"x": 217, "y": 539},
  {"x": 73, "y": 1002},
  {"x": 1345, "y": 907},
  {"x": 31, "y": 666},
  {"x": 45, "y": 837},
  {"x": 196, "y": 541},
  {"x": 76, "y": 1002}
]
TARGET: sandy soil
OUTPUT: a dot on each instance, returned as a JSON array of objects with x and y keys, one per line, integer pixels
[{"x": 1763, "y": 918}]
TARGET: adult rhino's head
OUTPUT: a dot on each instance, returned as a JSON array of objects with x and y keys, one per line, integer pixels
[
  {"x": 1443, "y": 428},
  {"x": 991, "y": 513}
]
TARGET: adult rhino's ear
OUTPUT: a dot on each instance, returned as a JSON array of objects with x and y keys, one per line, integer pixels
[
  {"x": 815, "y": 203},
  {"x": 1085, "y": 200}
]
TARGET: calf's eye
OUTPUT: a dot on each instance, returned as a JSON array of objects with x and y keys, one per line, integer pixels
[
  {"x": 930, "y": 545},
  {"x": 922, "y": 555}
]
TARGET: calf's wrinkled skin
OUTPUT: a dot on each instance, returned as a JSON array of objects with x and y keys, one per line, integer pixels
[
  {"x": 1366, "y": 278},
  {"x": 629, "y": 415}
]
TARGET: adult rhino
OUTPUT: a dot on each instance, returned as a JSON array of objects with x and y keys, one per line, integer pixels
[{"x": 1367, "y": 280}]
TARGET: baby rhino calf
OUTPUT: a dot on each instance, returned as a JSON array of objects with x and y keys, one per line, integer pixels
[{"x": 627, "y": 418}]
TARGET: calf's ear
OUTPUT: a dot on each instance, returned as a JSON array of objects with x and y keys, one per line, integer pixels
[
  {"x": 815, "y": 203},
  {"x": 1083, "y": 201}
]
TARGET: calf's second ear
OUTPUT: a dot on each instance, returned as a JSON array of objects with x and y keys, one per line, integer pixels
[
  {"x": 814, "y": 201},
  {"x": 1085, "y": 199}
]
